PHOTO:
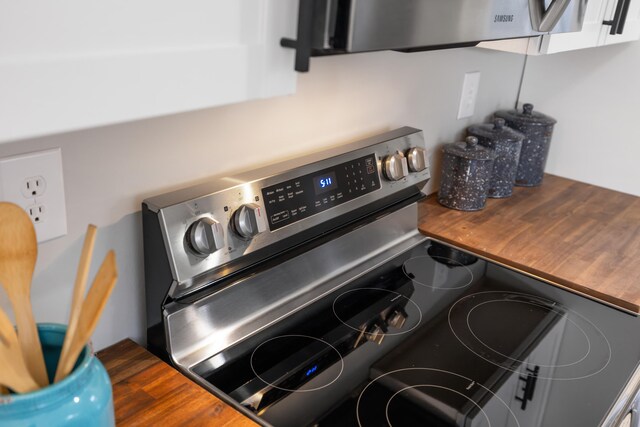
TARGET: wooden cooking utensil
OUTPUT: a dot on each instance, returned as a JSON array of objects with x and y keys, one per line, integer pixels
[
  {"x": 91, "y": 310},
  {"x": 13, "y": 370},
  {"x": 79, "y": 287},
  {"x": 18, "y": 253}
]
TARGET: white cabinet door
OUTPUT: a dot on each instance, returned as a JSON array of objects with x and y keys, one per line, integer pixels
[
  {"x": 72, "y": 64},
  {"x": 594, "y": 33}
]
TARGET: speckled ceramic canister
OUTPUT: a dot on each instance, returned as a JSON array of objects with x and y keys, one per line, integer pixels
[
  {"x": 506, "y": 144},
  {"x": 537, "y": 129},
  {"x": 466, "y": 175}
]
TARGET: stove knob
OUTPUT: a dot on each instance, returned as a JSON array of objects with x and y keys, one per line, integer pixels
[
  {"x": 395, "y": 166},
  {"x": 248, "y": 220},
  {"x": 397, "y": 318},
  {"x": 206, "y": 236},
  {"x": 417, "y": 159},
  {"x": 375, "y": 334}
]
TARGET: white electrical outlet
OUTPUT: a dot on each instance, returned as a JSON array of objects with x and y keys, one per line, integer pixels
[
  {"x": 34, "y": 186},
  {"x": 469, "y": 94},
  {"x": 34, "y": 181}
]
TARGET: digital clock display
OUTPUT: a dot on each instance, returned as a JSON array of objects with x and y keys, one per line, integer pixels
[{"x": 325, "y": 182}]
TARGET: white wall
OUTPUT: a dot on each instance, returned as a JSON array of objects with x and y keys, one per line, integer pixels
[
  {"x": 109, "y": 170},
  {"x": 595, "y": 96}
]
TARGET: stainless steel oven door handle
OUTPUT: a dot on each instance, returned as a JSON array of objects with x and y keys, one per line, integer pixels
[{"x": 544, "y": 20}]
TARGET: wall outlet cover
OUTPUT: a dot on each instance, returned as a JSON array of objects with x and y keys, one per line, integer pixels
[
  {"x": 469, "y": 94},
  {"x": 34, "y": 181}
]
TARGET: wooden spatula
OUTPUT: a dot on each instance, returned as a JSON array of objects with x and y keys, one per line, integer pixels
[
  {"x": 91, "y": 310},
  {"x": 18, "y": 253},
  {"x": 79, "y": 288},
  {"x": 13, "y": 370}
]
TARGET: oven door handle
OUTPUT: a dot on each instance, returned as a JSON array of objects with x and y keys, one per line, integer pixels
[{"x": 544, "y": 20}]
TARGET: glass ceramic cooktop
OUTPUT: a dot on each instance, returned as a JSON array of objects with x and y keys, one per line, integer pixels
[{"x": 436, "y": 337}]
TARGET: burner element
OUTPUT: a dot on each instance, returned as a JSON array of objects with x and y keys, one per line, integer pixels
[
  {"x": 302, "y": 358},
  {"x": 514, "y": 330},
  {"x": 427, "y": 388},
  {"x": 389, "y": 311},
  {"x": 438, "y": 272},
  {"x": 426, "y": 391}
]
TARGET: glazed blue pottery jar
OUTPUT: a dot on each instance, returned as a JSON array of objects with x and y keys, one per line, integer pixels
[{"x": 84, "y": 398}]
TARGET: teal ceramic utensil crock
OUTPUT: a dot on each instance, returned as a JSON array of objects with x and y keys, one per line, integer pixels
[{"x": 84, "y": 398}]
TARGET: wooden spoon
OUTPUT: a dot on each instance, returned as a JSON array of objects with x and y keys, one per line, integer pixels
[
  {"x": 79, "y": 287},
  {"x": 92, "y": 308},
  {"x": 18, "y": 253},
  {"x": 13, "y": 370}
]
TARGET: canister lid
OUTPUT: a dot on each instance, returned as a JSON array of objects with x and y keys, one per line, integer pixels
[
  {"x": 469, "y": 149},
  {"x": 497, "y": 131},
  {"x": 526, "y": 116}
]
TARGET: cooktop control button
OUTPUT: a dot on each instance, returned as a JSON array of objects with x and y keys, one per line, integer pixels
[
  {"x": 395, "y": 166},
  {"x": 248, "y": 220},
  {"x": 397, "y": 318},
  {"x": 205, "y": 236},
  {"x": 417, "y": 159}
]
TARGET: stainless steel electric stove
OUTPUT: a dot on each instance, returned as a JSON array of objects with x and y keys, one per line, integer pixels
[{"x": 303, "y": 294}]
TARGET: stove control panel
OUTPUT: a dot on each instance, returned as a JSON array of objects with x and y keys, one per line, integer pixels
[
  {"x": 208, "y": 226},
  {"x": 299, "y": 198}
]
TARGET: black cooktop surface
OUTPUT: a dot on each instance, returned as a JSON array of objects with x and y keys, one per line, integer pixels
[{"x": 436, "y": 337}]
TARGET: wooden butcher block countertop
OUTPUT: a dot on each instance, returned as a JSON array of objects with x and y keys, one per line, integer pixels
[
  {"x": 148, "y": 392},
  {"x": 573, "y": 234}
]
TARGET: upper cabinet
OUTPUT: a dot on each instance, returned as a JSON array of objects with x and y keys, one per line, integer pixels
[
  {"x": 72, "y": 64},
  {"x": 606, "y": 22}
]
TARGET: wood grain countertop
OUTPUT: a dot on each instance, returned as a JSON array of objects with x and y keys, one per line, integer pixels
[
  {"x": 148, "y": 392},
  {"x": 573, "y": 234}
]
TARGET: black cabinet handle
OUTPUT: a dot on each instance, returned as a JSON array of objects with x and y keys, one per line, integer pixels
[
  {"x": 619, "y": 17},
  {"x": 302, "y": 44},
  {"x": 623, "y": 16},
  {"x": 529, "y": 386}
]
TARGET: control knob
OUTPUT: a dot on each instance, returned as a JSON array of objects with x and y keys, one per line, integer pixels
[
  {"x": 395, "y": 166},
  {"x": 205, "y": 236},
  {"x": 248, "y": 220},
  {"x": 417, "y": 159}
]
